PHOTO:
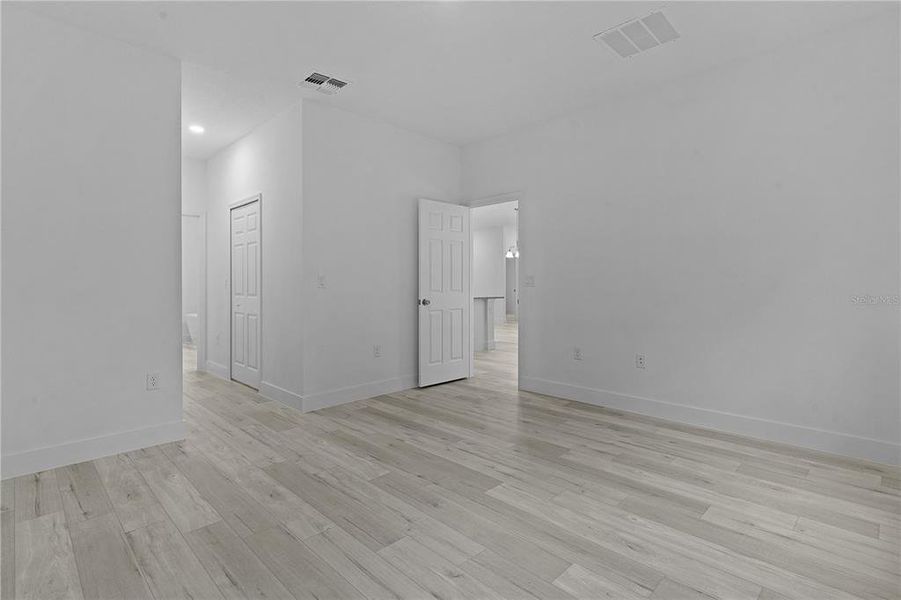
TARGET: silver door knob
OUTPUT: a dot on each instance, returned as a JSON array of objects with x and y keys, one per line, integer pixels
[{"x": 426, "y": 302}]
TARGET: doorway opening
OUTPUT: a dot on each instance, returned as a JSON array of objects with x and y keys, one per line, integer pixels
[
  {"x": 193, "y": 240},
  {"x": 495, "y": 291}
]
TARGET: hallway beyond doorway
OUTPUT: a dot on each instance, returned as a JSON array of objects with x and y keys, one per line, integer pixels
[{"x": 501, "y": 365}]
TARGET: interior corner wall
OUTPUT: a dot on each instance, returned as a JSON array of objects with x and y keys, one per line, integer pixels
[
  {"x": 740, "y": 228},
  {"x": 193, "y": 186},
  {"x": 266, "y": 161},
  {"x": 91, "y": 155},
  {"x": 361, "y": 182}
]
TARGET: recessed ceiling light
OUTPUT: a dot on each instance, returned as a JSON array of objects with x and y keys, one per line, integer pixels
[{"x": 196, "y": 129}]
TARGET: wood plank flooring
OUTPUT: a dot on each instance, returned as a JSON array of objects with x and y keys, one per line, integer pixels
[{"x": 466, "y": 490}]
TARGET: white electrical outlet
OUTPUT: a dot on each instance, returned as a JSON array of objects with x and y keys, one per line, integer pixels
[
  {"x": 320, "y": 281},
  {"x": 529, "y": 281},
  {"x": 153, "y": 381},
  {"x": 377, "y": 350},
  {"x": 641, "y": 361},
  {"x": 577, "y": 354}
]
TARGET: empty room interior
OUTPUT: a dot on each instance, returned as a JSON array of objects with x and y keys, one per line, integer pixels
[{"x": 440, "y": 300}]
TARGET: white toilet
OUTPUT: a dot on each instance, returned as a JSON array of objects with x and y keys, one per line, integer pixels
[{"x": 189, "y": 328}]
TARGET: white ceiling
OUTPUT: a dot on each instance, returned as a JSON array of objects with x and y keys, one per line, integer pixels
[
  {"x": 227, "y": 106},
  {"x": 456, "y": 71}
]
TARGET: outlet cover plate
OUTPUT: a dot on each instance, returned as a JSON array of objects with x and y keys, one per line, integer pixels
[{"x": 153, "y": 382}]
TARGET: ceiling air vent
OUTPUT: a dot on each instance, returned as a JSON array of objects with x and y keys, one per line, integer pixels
[
  {"x": 325, "y": 84},
  {"x": 332, "y": 86},
  {"x": 638, "y": 35},
  {"x": 314, "y": 80}
]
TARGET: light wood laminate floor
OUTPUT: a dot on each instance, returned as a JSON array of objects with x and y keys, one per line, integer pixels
[{"x": 465, "y": 490}]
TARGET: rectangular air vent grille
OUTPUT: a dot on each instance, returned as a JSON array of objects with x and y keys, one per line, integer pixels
[
  {"x": 316, "y": 79},
  {"x": 332, "y": 86},
  {"x": 638, "y": 35},
  {"x": 325, "y": 84}
]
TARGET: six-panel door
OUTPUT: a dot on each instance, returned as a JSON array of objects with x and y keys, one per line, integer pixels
[
  {"x": 444, "y": 301},
  {"x": 245, "y": 294}
]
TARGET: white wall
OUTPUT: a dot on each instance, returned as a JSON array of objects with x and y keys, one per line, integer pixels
[
  {"x": 193, "y": 186},
  {"x": 509, "y": 236},
  {"x": 489, "y": 269},
  {"x": 719, "y": 225},
  {"x": 267, "y": 161},
  {"x": 362, "y": 179},
  {"x": 343, "y": 201},
  {"x": 91, "y": 163},
  {"x": 488, "y": 263}
]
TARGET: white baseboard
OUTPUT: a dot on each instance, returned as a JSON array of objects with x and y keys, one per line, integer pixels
[
  {"x": 214, "y": 368},
  {"x": 357, "y": 392},
  {"x": 271, "y": 391},
  {"x": 41, "y": 459},
  {"x": 776, "y": 431},
  {"x": 324, "y": 399}
]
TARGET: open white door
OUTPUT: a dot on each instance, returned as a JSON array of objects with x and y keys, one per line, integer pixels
[
  {"x": 245, "y": 293},
  {"x": 444, "y": 302}
]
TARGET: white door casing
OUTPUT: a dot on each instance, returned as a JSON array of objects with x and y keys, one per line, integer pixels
[
  {"x": 444, "y": 297},
  {"x": 246, "y": 251}
]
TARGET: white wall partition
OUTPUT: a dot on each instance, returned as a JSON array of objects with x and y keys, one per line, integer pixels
[
  {"x": 357, "y": 182},
  {"x": 362, "y": 180},
  {"x": 91, "y": 274},
  {"x": 722, "y": 226},
  {"x": 267, "y": 161}
]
